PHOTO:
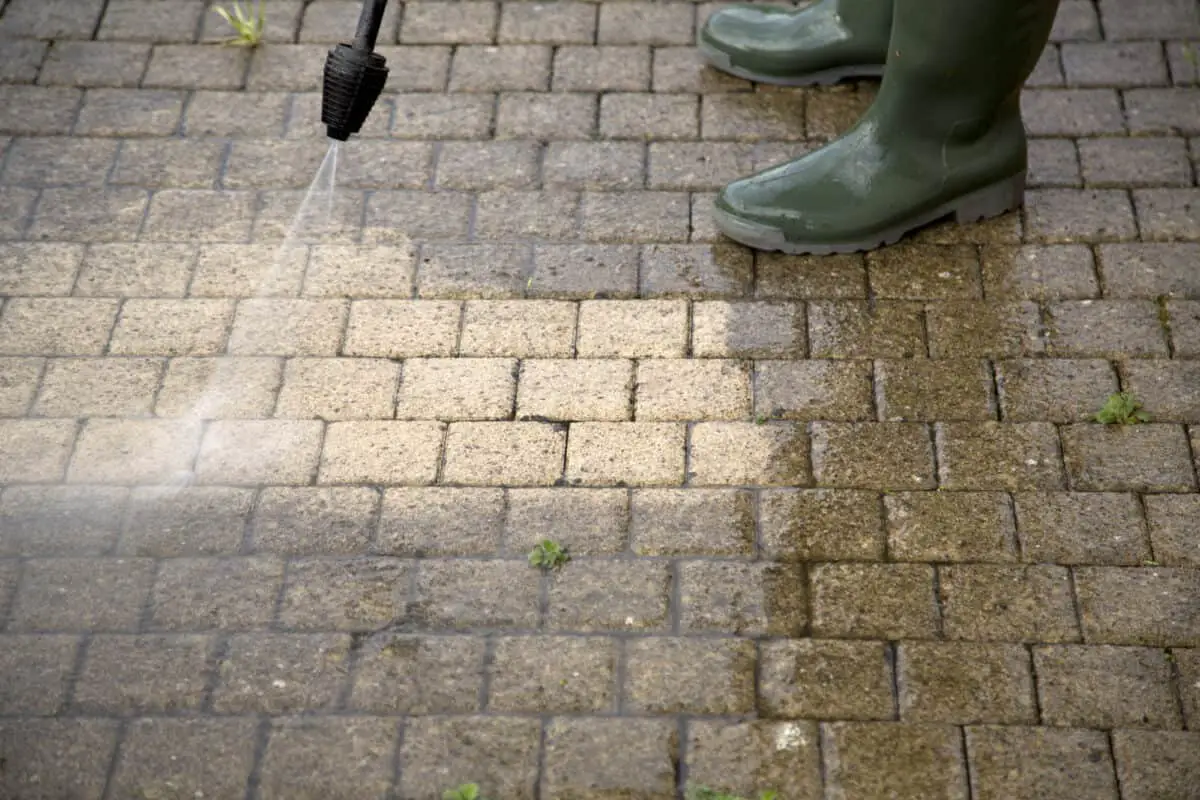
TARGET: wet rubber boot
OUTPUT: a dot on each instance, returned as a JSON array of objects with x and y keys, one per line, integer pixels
[
  {"x": 944, "y": 138},
  {"x": 821, "y": 44}
]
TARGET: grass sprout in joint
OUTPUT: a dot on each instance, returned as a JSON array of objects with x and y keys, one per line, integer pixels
[
  {"x": 467, "y": 791},
  {"x": 704, "y": 793},
  {"x": 1121, "y": 408},
  {"x": 548, "y": 555},
  {"x": 249, "y": 28}
]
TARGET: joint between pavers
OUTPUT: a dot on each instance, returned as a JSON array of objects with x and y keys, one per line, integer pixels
[
  {"x": 485, "y": 677},
  {"x": 681, "y": 753},
  {"x": 261, "y": 736},
  {"x": 891, "y": 662},
  {"x": 111, "y": 773},
  {"x": 968, "y": 781},
  {"x": 398, "y": 755},
  {"x": 220, "y": 652}
]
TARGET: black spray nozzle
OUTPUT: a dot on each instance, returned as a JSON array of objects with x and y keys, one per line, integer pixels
[{"x": 354, "y": 76}]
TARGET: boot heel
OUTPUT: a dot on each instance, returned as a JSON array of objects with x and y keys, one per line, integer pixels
[{"x": 991, "y": 201}]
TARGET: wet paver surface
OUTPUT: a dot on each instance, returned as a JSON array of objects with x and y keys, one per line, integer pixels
[{"x": 840, "y": 527}]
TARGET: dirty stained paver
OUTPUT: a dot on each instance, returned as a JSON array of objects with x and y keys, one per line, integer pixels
[{"x": 841, "y": 527}]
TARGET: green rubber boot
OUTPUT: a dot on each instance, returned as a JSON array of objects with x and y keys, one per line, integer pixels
[
  {"x": 820, "y": 44},
  {"x": 944, "y": 138}
]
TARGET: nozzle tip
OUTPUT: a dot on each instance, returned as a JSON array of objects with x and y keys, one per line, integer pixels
[{"x": 340, "y": 134}]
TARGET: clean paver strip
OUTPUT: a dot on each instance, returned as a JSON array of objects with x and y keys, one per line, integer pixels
[{"x": 842, "y": 525}]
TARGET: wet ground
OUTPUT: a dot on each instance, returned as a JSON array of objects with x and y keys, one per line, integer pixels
[{"x": 840, "y": 527}]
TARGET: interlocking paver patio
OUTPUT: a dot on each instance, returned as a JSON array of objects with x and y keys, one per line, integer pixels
[{"x": 840, "y": 526}]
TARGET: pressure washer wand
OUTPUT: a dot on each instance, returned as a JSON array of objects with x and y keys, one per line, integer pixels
[{"x": 354, "y": 76}]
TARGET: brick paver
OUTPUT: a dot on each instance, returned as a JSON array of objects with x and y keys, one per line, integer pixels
[{"x": 841, "y": 527}]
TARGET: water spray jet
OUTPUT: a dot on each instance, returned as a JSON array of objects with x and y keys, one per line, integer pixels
[{"x": 354, "y": 76}]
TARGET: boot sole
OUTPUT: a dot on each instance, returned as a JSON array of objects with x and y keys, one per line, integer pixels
[
  {"x": 991, "y": 201},
  {"x": 827, "y": 77}
]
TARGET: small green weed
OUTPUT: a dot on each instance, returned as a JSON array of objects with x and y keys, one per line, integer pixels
[
  {"x": 704, "y": 793},
  {"x": 467, "y": 791},
  {"x": 548, "y": 555},
  {"x": 1121, "y": 408},
  {"x": 249, "y": 27}
]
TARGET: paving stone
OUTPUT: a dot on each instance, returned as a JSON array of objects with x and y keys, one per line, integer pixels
[
  {"x": 98, "y": 215},
  {"x": 36, "y": 451},
  {"x": 402, "y": 328},
  {"x": 53, "y": 161},
  {"x": 965, "y": 683},
  {"x": 1067, "y": 216},
  {"x": 283, "y": 218},
  {"x": 328, "y": 757},
  {"x": 747, "y": 599},
  {"x": 547, "y": 23},
  {"x": 353, "y": 594},
  {"x": 171, "y": 327},
  {"x": 60, "y": 520},
  {"x": 925, "y": 390},
  {"x": 215, "y": 594},
  {"x": 994, "y": 455},
  {"x": 37, "y": 669},
  {"x": 883, "y": 456},
  {"x": 631, "y": 756},
  {"x": 1055, "y": 390},
  {"x": 247, "y": 452},
  {"x": 950, "y": 527},
  {"x": 1142, "y": 458},
  {"x": 657, "y": 217},
  {"x": 189, "y": 66},
  {"x": 240, "y": 270},
  {"x": 478, "y": 271},
  {"x": 396, "y": 218},
  {"x": 359, "y": 271},
  {"x": 1189, "y": 681},
  {"x": 327, "y": 21},
  {"x": 210, "y": 756},
  {"x": 1181, "y": 58},
  {"x": 313, "y": 521},
  {"x": 150, "y": 20},
  {"x": 974, "y": 329},
  {"x": 683, "y": 675},
  {"x": 38, "y": 269},
  {"x": 1054, "y": 162},
  {"x": 1110, "y": 162},
  {"x": 1072, "y": 112},
  {"x": 521, "y": 329},
  {"x": 55, "y": 19},
  {"x": 1169, "y": 18},
  {"x": 281, "y": 673},
  {"x": 760, "y": 330},
  {"x": 692, "y": 522},
  {"x": 10, "y": 573},
  {"x": 698, "y": 165},
  {"x": 849, "y": 329},
  {"x": 253, "y": 114},
  {"x": 136, "y": 270},
  {"x": 676, "y": 390},
  {"x": 134, "y": 451},
  {"x": 535, "y": 115},
  {"x": 1115, "y": 603},
  {"x": 742, "y": 756},
  {"x": 825, "y": 677},
  {"x": 1008, "y": 761},
  {"x": 488, "y": 165},
  {"x": 57, "y": 757},
  {"x": 286, "y": 67},
  {"x": 1184, "y": 317},
  {"x": 338, "y": 389},
  {"x": 821, "y": 525},
  {"x": 628, "y": 329},
  {"x": 597, "y": 519},
  {"x": 418, "y": 674},
  {"x": 569, "y": 389},
  {"x": 699, "y": 271},
  {"x": 1150, "y": 269},
  {"x": 1001, "y": 603},
  {"x": 16, "y": 207},
  {"x": 93, "y": 64},
  {"x": 748, "y": 453},
  {"x": 37, "y": 111},
  {"x": 1105, "y": 687},
  {"x": 830, "y": 114},
  {"x": 886, "y": 601},
  {"x": 464, "y": 594},
  {"x": 507, "y": 453},
  {"x": 381, "y": 452},
  {"x": 457, "y": 389},
  {"x": 646, "y": 23},
  {"x": 1167, "y": 214},
  {"x": 1082, "y": 528},
  {"x": 129, "y": 112},
  {"x": 1048, "y": 71},
  {"x": 194, "y": 521},
  {"x": 552, "y": 674},
  {"x": 594, "y": 165},
  {"x": 18, "y": 384},
  {"x": 143, "y": 674},
  {"x": 877, "y": 758},
  {"x": 501, "y": 755},
  {"x": 287, "y": 327},
  {"x": 449, "y": 23},
  {"x": 1156, "y": 764},
  {"x": 612, "y": 68},
  {"x": 1162, "y": 111},
  {"x": 773, "y": 116},
  {"x": 254, "y": 164},
  {"x": 683, "y": 69},
  {"x": 98, "y": 387},
  {"x": 192, "y": 215},
  {"x": 583, "y": 271},
  {"x": 624, "y": 453},
  {"x": 236, "y": 388},
  {"x": 508, "y": 68},
  {"x": 1114, "y": 64},
  {"x": 1171, "y": 519},
  {"x": 649, "y": 116},
  {"x": 925, "y": 273},
  {"x": 380, "y": 164},
  {"x": 610, "y": 595}
]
